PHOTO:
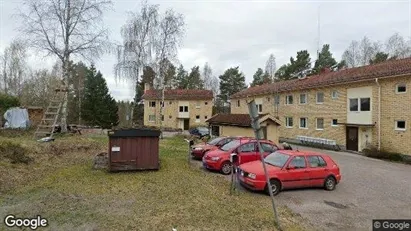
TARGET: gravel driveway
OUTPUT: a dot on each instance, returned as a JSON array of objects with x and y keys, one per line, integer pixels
[{"x": 369, "y": 189}]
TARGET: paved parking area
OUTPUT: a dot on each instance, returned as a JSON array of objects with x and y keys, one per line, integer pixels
[{"x": 370, "y": 189}]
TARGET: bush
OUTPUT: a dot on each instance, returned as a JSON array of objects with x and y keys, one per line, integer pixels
[
  {"x": 373, "y": 152},
  {"x": 8, "y": 101},
  {"x": 14, "y": 152}
]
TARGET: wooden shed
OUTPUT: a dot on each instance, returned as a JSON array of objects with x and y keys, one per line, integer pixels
[{"x": 134, "y": 149}]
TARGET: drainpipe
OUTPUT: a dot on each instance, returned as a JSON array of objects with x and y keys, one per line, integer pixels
[{"x": 379, "y": 113}]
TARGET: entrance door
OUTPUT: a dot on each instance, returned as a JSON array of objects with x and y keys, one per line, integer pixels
[
  {"x": 352, "y": 138},
  {"x": 186, "y": 124}
]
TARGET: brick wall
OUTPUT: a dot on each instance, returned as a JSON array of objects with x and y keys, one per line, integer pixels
[
  {"x": 171, "y": 112},
  {"x": 394, "y": 107}
]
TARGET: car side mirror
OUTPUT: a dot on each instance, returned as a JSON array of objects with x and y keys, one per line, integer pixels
[{"x": 290, "y": 167}]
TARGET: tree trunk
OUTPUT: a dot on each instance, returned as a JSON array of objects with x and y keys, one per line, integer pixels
[{"x": 65, "y": 82}]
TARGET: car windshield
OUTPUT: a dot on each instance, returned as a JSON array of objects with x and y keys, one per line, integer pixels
[
  {"x": 277, "y": 159},
  {"x": 230, "y": 145},
  {"x": 215, "y": 141}
]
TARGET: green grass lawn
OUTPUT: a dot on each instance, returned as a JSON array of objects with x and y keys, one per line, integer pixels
[{"x": 60, "y": 185}]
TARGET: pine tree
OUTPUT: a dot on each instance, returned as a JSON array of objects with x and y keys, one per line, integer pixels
[
  {"x": 325, "y": 60},
  {"x": 194, "y": 79},
  {"x": 261, "y": 77},
  {"x": 181, "y": 79},
  {"x": 98, "y": 107},
  {"x": 231, "y": 82}
]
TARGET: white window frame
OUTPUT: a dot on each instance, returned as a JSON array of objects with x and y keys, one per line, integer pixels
[
  {"x": 400, "y": 129},
  {"x": 287, "y": 120},
  {"x": 259, "y": 108},
  {"x": 306, "y": 98},
  {"x": 332, "y": 124},
  {"x": 316, "y": 124},
  {"x": 316, "y": 98},
  {"x": 396, "y": 88},
  {"x": 151, "y": 116},
  {"x": 286, "y": 100},
  {"x": 199, "y": 119},
  {"x": 306, "y": 123},
  {"x": 336, "y": 95}
]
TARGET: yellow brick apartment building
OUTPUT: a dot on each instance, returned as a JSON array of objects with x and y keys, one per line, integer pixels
[
  {"x": 183, "y": 108},
  {"x": 355, "y": 108}
]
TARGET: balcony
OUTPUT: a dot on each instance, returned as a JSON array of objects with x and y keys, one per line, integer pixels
[{"x": 183, "y": 115}]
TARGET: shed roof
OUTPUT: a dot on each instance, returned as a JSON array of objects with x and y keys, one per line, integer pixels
[
  {"x": 179, "y": 94},
  {"x": 386, "y": 69},
  {"x": 141, "y": 132}
]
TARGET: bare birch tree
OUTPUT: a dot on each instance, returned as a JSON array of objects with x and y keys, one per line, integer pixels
[
  {"x": 271, "y": 67},
  {"x": 396, "y": 46},
  {"x": 211, "y": 82},
  {"x": 66, "y": 28},
  {"x": 13, "y": 68},
  {"x": 360, "y": 53},
  {"x": 149, "y": 39}
]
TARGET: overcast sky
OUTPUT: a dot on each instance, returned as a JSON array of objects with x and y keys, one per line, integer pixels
[{"x": 245, "y": 33}]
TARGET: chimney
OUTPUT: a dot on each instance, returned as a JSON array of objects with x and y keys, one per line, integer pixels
[
  {"x": 146, "y": 87},
  {"x": 325, "y": 70}
]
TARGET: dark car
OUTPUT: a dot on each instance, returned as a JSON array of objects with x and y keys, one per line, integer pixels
[{"x": 200, "y": 132}]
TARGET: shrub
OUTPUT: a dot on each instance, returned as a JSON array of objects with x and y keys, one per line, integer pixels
[
  {"x": 8, "y": 101},
  {"x": 373, "y": 152},
  {"x": 14, "y": 152}
]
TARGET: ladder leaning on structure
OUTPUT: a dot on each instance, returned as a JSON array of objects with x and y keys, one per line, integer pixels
[{"x": 51, "y": 116}]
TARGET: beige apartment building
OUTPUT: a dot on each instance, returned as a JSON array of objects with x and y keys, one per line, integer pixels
[
  {"x": 352, "y": 108},
  {"x": 183, "y": 108}
]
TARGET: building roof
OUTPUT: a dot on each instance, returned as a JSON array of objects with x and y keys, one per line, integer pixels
[
  {"x": 241, "y": 120},
  {"x": 385, "y": 69},
  {"x": 179, "y": 94}
]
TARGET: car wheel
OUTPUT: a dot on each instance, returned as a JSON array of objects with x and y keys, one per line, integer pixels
[
  {"x": 226, "y": 168},
  {"x": 275, "y": 187},
  {"x": 329, "y": 183}
]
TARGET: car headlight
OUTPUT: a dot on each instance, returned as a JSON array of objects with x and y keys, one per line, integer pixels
[
  {"x": 215, "y": 158},
  {"x": 198, "y": 148},
  {"x": 251, "y": 175}
]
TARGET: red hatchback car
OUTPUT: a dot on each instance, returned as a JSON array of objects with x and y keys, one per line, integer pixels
[
  {"x": 246, "y": 149},
  {"x": 198, "y": 151},
  {"x": 291, "y": 169}
]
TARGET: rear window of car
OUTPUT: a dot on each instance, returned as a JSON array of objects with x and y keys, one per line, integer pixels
[
  {"x": 316, "y": 161},
  {"x": 230, "y": 145},
  {"x": 268, "y": 147},
  {"x": 215, "y": 141}
]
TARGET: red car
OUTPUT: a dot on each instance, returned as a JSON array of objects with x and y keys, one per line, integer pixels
[
  {"x": 197, "y": 151},
  {"x": 246, "y": 149},
  {"x": 291, "y": 169}
]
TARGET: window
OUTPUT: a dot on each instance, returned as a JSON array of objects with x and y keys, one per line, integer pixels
[
  {"x": 320, "y": 124},
  {"x": 259, "y": 108},
  {"x": 171, "y": 102},
  {"x": 268, "y": 99},
  {"x": 320, "y": 97},
  {"x": 206, "y": 103},
  {"x": 334, "y": 122},
  {"x": 303, "y": 123},
  {"x": 152, "y": 104},
  {"x": 401, "y": 88},
  {"x": 365, "y": 104},
  {"x": 197, "y": 119},
  {"x": 161, "y": 104},
  {"x": 316, "y": 161},
  {"x": 298, "y": 162},
  {"x": 183, "y": 109},
  {"x": 400, "y": 125},
  {"x": 289, "y": 99},
  {"x": 353, "y": 104},
  {"x": 162, "y": 117},
  {"x": 238, "y": 103},
  {"x": 250, "y": 147},
  {"x": 289, "y": 122},
  {"x": 334, "y": 94},
  {"x": 170, "y": 117},
  {"x": 198, "y": 104},
  {"x": 277, "y": 99},
  {"x": 152, "y": 118},
  {"x": 303, "y": 98},
  {"x": 268, "y": 147},
  {"x": 205, "y": 117}
]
